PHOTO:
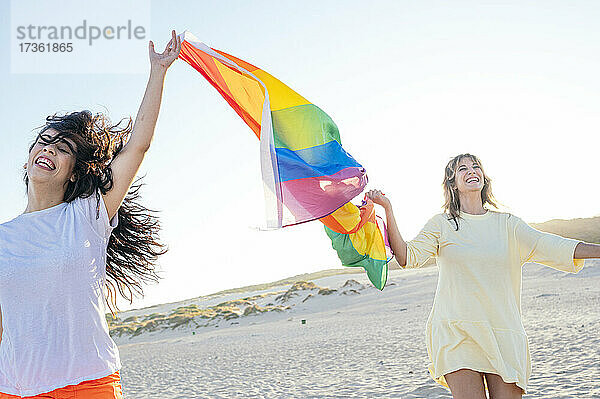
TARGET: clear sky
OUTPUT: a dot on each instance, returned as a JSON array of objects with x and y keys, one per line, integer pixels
[{"x": 409, "y": 84}]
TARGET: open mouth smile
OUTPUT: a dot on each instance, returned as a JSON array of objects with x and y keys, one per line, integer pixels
[{"x": 45, "y": 163}]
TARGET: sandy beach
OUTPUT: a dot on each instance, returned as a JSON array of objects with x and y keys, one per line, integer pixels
[{"x": 356, "y": 342}]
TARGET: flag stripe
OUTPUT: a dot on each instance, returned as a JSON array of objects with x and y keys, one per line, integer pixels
[
  {"x": 322, "y": 160},
  {"x": 206, "y": 66},
  {"x": 300, "y": 119}
]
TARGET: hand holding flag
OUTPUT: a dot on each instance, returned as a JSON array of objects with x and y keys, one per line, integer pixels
[{"x": 161, "y": 62}]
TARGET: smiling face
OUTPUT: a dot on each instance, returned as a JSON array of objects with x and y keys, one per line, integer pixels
[
  {"x": 51, "y": 160},
  {"x": 469, "y": 176},
  {"x": 464, "y": 179}
]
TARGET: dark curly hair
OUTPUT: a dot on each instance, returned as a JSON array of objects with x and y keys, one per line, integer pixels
[{"x": 133, "y": 247}]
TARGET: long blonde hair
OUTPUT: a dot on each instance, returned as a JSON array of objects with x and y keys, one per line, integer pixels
[{"x": 452, "y": 201}]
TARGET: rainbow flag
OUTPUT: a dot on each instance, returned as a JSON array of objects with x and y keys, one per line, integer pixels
[
  {"x": 306, "y": 173},
  {"x": 360, "y": 238}
]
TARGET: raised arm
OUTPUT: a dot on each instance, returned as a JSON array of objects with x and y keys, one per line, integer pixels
[
  {"x": 127, "y": 162},
  {"x": 395, "y": 239}
]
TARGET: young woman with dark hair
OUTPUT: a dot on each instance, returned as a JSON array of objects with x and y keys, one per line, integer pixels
[
  {"x": 475, "y": 337},
  {"x": 81, "y": 238}
]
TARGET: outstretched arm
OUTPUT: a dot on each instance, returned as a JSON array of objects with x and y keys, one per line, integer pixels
[
  {"x": 397, "y": 243},
  {"x": 127, "y": 162},
  {"x": 584, "y": 250}
]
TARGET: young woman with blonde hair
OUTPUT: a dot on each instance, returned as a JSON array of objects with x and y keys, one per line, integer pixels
[{"x": 475, "y": 337}]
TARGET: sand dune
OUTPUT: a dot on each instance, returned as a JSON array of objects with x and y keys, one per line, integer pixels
[{"x": 356, "y": 342}]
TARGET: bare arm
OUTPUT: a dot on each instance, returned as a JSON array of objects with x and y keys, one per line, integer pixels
[
  {"x": 584, "y": 250},
  {"x": 396, "y": 241},
  {"x": 127, "y": 162}
]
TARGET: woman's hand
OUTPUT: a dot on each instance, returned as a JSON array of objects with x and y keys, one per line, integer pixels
[
  {"x": 161, "y": 62},
  {"x": 379, "y": 198},
  {"x": 394, "y": 237}
]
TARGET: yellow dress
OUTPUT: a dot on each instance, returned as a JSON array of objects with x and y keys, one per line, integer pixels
[{"x": 475, "y": 322}]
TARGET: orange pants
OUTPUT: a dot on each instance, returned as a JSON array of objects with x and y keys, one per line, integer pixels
[{"x": 102, "y": 388}]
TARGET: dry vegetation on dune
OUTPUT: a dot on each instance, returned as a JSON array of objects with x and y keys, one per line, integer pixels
[
  {"x": 190, "y": 315},
  {"x": 193, "y": 316},
  {"x": 292, "y": 280}
]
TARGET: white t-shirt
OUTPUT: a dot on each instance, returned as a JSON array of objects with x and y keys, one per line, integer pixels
[{"x": 52, "y": 281}]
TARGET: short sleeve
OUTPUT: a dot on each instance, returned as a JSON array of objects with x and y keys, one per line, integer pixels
[
  {"x": 545, "y": 248},
  {"x": 94, "y": 210},
  {"x": 424, "y": 245}
]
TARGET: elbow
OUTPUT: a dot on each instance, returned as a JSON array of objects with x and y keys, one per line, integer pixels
[
  {"x": 137, "y": 147},
  {"x": 141, "y": 149},
  {"x": 402, "y": 256},
  {"x": 401, "y": 261}
]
